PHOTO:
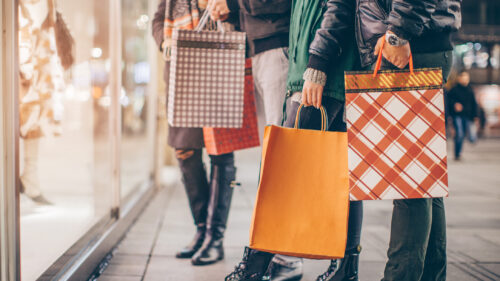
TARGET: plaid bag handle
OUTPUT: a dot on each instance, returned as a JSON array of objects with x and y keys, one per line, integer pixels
[
  {"x": 324, "y": 118},
  {"x": 379, "y": 60}
]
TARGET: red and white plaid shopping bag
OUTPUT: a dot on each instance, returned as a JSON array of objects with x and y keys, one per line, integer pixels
[
  {"x": 220, "y": 140},
  {"x": 396, "y": 132}
]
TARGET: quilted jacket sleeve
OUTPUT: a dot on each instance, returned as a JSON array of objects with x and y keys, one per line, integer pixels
[
  {"x": 336, "y": 27},
  {"x": 408, "y": 18}
]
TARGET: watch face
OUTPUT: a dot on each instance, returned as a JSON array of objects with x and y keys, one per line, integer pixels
[{"x": 393, "y": 40}]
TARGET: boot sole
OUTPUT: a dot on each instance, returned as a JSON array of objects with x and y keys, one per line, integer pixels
[
  {"x": 183, "y": 257},
  {"x": 202, "y": 263},
  {"x": 298, "y": 278}
]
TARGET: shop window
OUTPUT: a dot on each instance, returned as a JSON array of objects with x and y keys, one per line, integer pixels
[
  {"x": 137, "y": 121},
  {"x": 65, "y": 170}
]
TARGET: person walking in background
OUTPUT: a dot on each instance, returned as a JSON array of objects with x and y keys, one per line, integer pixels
[
  {"x": 463, "y": 109},
  {"x": 209, "y": 199},
  {"x": 267, "y": 25},
  {"x": 417, "y": 248},
  {"x": 316, "y": 78}
]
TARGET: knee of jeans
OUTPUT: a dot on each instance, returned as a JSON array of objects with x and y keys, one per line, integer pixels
[{"x": 184, "y": 154}]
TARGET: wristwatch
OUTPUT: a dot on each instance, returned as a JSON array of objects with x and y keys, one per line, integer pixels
[{"x": 394, "y": 40}]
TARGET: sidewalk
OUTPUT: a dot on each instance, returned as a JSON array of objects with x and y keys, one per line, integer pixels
[{"x": 473, "y": 214}]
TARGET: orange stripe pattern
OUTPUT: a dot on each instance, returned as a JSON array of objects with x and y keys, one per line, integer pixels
[{"x": 395, "y": 79}]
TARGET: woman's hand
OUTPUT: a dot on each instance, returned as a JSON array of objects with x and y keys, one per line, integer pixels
[
  {"x": 312, "y": 94},
  {"x": 219, "y": 9}
]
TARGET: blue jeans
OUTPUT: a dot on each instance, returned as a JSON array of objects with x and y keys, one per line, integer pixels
[{"x": 462, "y": 127}]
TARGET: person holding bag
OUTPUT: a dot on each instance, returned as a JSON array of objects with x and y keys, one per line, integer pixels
[
  {"x": 322, "y": 47},
  {"x": 398, "y": 30},
  {"x": 209, "y": 200}
]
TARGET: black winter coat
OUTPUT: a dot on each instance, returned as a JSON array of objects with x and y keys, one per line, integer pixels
[
  {"x": 427, "y": 24},
  {"x": 465, "y": 96}
]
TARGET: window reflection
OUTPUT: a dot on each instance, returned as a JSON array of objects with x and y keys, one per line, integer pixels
[
  {"x": 64, "y": 135},
  {"x": 137, "y": 131}
]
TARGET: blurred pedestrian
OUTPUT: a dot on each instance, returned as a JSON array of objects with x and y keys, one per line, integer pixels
[
  {"x": 417, "y": 248},
  {"x": 481, "y": 133},
  {"x": 464, "y": 112},
  {"x": 267, "y": 25},
  {"x": 209, "y": 199},
  {"x": 322, "y": 47}
]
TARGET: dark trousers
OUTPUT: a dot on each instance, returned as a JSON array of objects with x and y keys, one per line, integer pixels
[
  {"x": 417, "y": 248},
  {"x": 310, "y": 118},
  {"x": 463, "y": 128}
]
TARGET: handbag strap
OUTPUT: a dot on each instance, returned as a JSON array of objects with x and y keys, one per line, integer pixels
[
  {"x": 324, "y": 118},
  {"x": 204, "y": 20},
  {"x": 379, "y": 60}
]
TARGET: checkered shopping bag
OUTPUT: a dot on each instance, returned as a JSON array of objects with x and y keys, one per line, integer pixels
[
  {"x": 220, "y": 140},
  {"x": 206, "y": 84},
  {"x": 396, "y": 133}
]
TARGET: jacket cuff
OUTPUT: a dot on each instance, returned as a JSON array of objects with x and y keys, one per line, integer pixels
[
  {"x": 318, "y": 63},
  {"x": 233, "y": 5},
  {"x": 315, "y": 76},
  {"x": 399, "y": 32}
]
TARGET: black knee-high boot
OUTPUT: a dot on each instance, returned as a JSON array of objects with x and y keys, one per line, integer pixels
[
  {"x": 221, "y": 192},
  {"x": 195, "y": 181}
]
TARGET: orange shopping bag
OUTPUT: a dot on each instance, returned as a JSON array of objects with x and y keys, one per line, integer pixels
[{"x": 302, "y": 202}]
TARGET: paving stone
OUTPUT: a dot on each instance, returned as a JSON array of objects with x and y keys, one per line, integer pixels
[{"x": 473, "y": 217}]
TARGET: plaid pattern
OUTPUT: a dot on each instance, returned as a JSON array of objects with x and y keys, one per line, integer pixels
[
  {"x": 220, "y": 141},
  {"x": 206, "y": 79},
  {"x": 397, "y": 139}
]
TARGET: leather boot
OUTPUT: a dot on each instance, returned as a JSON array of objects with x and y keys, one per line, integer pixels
[
  {"x": 252, "y": 267},
  {"x": 188, "y": 251},
  {"x": 348, "y": 269},
  {"x": 195, "y": 181},
  {"x": 221, "y": 193}
]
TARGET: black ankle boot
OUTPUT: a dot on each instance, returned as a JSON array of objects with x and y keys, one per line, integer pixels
[
  {"x": 252, "y": 267},
  {"x": 212, "y": 249},
  {"x": 221, "y": 192},
  {"x": 348, "y": 269},
  {"x": 195, "y": 245}
]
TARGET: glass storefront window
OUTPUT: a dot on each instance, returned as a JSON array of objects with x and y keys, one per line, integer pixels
[
  {"x": 137, "y": 123},
  {"x": 64, "y": 101}
]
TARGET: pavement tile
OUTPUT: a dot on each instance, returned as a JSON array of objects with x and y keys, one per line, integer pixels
[{"x": 473, "y": 217}]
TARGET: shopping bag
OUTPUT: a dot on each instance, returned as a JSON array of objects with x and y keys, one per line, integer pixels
[
  {"x": 207, "y": 70},
  {"x": 303, "y": 198},
  {"x": 396, "y": 132},
  {"x": 221, "y": 141}
]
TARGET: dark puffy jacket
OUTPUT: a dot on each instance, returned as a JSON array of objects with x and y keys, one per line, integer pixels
[
  {"x": 322, "y": 37},
  {"x": 266, "y": 22},
  {"x": 427, "y": 24}
]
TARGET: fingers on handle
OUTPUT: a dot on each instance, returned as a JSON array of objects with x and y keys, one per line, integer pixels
[{"x": 314, "y": 98}]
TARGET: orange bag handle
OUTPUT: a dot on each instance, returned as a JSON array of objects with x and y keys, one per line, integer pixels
[
  {"x": 324, "y": 118},
  {"x": 379, "y": 60}
]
